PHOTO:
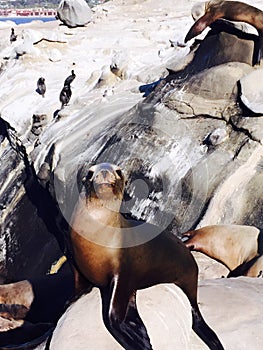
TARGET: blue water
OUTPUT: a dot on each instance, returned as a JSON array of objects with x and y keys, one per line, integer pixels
[{"x": 20, "y": 20}]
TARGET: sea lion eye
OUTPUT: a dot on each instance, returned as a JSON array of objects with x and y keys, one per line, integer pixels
[
  {"x": 119, "y": 173},
  {"x": 89, "y": 175}
]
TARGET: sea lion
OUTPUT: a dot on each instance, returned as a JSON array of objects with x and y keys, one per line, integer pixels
[
  {"x": 70, "y": 78},
  {"x": 235, "y": 246},
  {"x": 107, "y": 254},
  {"x": 233, "y": 11},
  {"x": 41, "y": 86},
  {"x": 65, "y": 95}
]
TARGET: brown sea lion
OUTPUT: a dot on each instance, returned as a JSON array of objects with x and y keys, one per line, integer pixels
[
  {"x": 108, "y": 254},
  {"x": 233, "y": 11},
  {"x": 236, "y": 246}
]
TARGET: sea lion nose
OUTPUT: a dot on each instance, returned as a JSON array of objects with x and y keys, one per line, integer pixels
[{"x": 104, "y": 173}]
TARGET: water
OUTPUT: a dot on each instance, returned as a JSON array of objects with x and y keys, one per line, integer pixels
[
  {"x": 27, "y": 19},
  {"x": 21, "y": 20}
]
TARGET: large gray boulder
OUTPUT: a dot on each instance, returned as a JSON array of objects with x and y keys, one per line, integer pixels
[
  {"x": 74, "y": 13},
  {"x": 251, "y": 93}
]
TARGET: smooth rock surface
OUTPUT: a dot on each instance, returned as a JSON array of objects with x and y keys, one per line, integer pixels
[
  {"x": 251, "y": 92},
  {"x": 229, "y": 306},
  {"x": 164, "y": 309}
]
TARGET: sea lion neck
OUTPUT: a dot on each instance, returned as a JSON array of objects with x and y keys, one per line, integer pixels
[
  {"x": 101, "y": 211},
  {"x": 109, "y": 206}
]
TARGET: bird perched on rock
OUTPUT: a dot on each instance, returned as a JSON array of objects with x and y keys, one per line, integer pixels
[
  {"x": 41, "y": 86},
  {"x": 70, "y": 78},
  {"x": 65, "y": 95},
  {"x": 13, "y": 36}
]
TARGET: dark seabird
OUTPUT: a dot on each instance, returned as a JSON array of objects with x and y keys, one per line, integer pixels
[
  {"x": 13, "y": 36},
  {"x": 65, "y": 95},
  {"x": 70, "y": 78},
  {"x": 41, "y": 86}
]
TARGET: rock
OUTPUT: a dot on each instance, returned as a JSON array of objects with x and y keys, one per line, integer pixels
[
  {"x": 228, "y": 306},
  {"x": 238, "y": 198},
  {"x": 39, "y": 121},
  {"x": 55, "y": 55},
  {"x": 218, "y": 47},
  {"x": 216, "y": 137},
  {"x": 107, "y": 78},
  {"x": 232, "y": 307},
  {"x": 252, "y": 93},
  {"x": 164, "y": 309},
  {"x": 74, "y": 13},
  {"x": 211, "y": 91},
  {"x": 27, "y": 48},
  {"x": 31, "y": 35}
]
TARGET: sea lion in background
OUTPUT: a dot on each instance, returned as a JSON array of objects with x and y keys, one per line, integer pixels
[
  {"x": 236, "y": 246},
  {"x": 233, "y": 11},
  {"x": 13, "y": 36},
  {"x": 70, "y": 78},
  {"x": 107, "y": 254},
  {"x": 41, "y": 86},
  {"x": 65, "y": 95}
]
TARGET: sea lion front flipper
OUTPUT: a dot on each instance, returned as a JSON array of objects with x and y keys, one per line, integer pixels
[
  {"x": 121, "y": 318},
  {"x": 134, "y": 321}
]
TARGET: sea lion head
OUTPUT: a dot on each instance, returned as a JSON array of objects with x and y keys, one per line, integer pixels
[
  {"x": 213, "y": 11},
  {"x": 104, "y": 181}
]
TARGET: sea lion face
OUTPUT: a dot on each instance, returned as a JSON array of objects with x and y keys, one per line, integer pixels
[
  {"x": 104, "y": 181},
  {"x": 213, "y": 11}
]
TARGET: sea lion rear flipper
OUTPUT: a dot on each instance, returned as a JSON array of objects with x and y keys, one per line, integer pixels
[
  {"x": 27, "y": 336},
  {"x": 258, "y": 50},
  {"x": 242, "y": 269},
  {"x": 122, "y": 320}
]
